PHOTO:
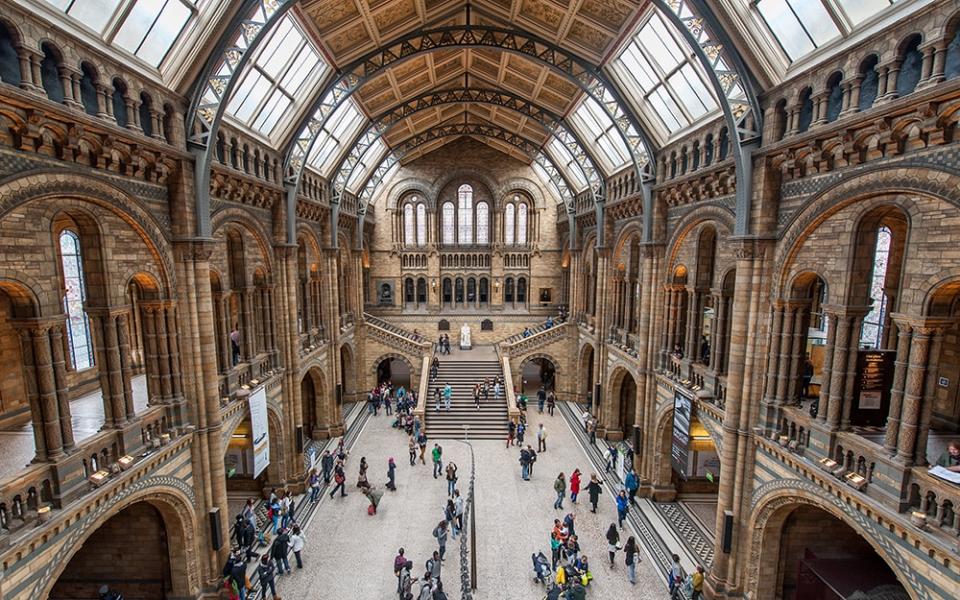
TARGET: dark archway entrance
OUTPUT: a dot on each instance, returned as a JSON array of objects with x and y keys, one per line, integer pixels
[
  {"x": 536, "y": 372},
  {"x": 395, "y": 371},
  {"x": 627, "y": 401},
  {"x": 129, "y": 553},
  {"x": 586, "y": 392}
]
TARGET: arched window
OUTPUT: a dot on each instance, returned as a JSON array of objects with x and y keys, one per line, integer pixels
[
  {"x": 88, "y": 90},
  {"x": 9, "y": 60},
  {"x": 448, "y": 224},
  {"x": 806, "y": 110},
  {"x": 146, "y": 121},
  {"x": 951, "y": 67},
  {"x": 118, "y": 98},
  {"x": 471, "y": 290},
  {"x": 465, "y": 214},
  {"x": 409, "y": 226},
  {"x": 421, "y": 224},
  {"x": 483, "y": 223},
  {"x": 458, "y": 290},
  {"x": 484, "y": 291},
  {"x": 909, "y": 75},
  {"x": 522, "y": 290},
  {"x": 421, "y": 291},
  {"x": 408, "y": 290},
  {"x": 447, "y": 291},
  {"x": 509, "y": 222},
  {"x": 78, "y": 326},
  {"x": 834, "y": 96},
  {"x": 508, "y": 290},
  {"x": 522, "y": 223},
  {"x": 50, "y": 74},
  {"x": 871, "y": 334},
  {"x": 870, "y": 84}
]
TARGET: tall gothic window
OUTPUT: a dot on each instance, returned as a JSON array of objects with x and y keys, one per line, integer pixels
[
  {"x": 465, "y": 214},
  {"x": 521, "y": 223},
  {"x": 421, "y": 224},
  {"x": 409, "y": 226},
  {"x": 509, "y": 222},
  {"x": 871, "y": 334},
  {"x": 78, "y": 326},
  {"x": 448, "y": 224},
  {"x": 483, "y": 223}
]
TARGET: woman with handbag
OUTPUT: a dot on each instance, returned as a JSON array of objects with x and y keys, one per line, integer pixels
[{"x": 613, "y": 542}]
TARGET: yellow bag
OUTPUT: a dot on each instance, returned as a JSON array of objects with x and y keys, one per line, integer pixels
[{"x": 561, "y": 576}]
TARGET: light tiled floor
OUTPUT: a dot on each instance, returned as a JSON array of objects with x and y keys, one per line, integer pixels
[
  {"x": 350, "y": 554},
  {"x": 17, "y": 446}
]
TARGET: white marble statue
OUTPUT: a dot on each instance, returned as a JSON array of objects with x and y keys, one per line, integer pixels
[{"x": 465, "y": 337}]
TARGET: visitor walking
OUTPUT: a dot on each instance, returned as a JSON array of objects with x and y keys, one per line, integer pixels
[
  {"x": 511, "y": 429},
  {"x": 391, "y": 474},
  {"x": 613, "y": 542},
  {"x": 551, "y": 403},
  {"x": 541, "y": 439},
  {"x": 447, "y": 396},
  {"x": 451, "y": 477},
  {"x": 525, "y": 464},
  {"x": 541, "y": 399},
  {"x": 437, "y": 454},
  {"x": 622, "y": 505},
  {"x": 440, "y": 532},
  {"x": 433, "y": 566},
  {"x": 574, "y": 485},
  {"x": 632, "y": 484},
  {"x": 314, "y": 482},
  {"x": 399, "y": 563},
  {"x": 297, "y": 542},
  {"x": 631, "y": 559},
  {"x": 279, "y": 551},
  {"x": 412, "y": 447},
  {"x": 340, "y": 480},
  {"x": 594, "y": 489},
  {"x": 436, "y": 398},
  {"x": 675, "y": 576},
  {"x": 459, "y": 506},
  {"x": 267, "y": 575},
  {"x": 422, "y": 443},
  {"x": 560, "y": 487},
  {"x": 697, "y": 584}
]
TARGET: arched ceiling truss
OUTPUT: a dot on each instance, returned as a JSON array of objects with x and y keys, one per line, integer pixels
[{"x": 552, "y": 123}]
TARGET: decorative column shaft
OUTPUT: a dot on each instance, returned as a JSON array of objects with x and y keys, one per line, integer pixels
[
  {"x": 913, "y": 393},
  {"x": 904, "y": 334}
]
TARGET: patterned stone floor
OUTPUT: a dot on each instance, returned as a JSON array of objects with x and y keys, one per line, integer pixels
[{"x": 350, "y": 554}]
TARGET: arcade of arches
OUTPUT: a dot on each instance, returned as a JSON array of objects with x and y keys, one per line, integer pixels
[{"x": 721, "y": 237}]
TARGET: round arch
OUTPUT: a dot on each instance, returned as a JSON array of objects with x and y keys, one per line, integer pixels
[
  {"x": 174, "y": 500},
  {"x": 383, "y": 369},
  {"x": 348, "y": 379},
  {"x": 585, "y": 374},
  {"x": 312, "y": 392},
  {"x": 539, "y": 369},
  {"x": 621, "y": 405},
  {"x": 241, "y": 218},
  {"x": 774, "y": 501}
]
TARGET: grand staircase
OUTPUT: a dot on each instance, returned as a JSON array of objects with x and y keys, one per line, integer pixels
[{"x": 490, "y": 422}]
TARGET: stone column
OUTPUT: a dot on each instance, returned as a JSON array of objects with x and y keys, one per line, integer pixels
[
  {"x": 797, "y": 351},
  {"x": 152, "y": 354},
  {"x": 771, "y": 397},
  {"x": 32, "y": 391},
  {"x": 827, "y": 373},
  {"x": 850, "y": 375},
  {"x": 58, "y": 358},
  {"x": 126, "y": 366},
  {"x": 929, "y": 398},
  {"x": 67, "y": 76},
  {"x": 690, "y": 345},
  {"x": 48, "y": 405},
  {"x": 173, "y": 349},
  {"x": 904, "y": 334},
  {"x": 913, "y": 393},
  {"x": 163, "y": 353},
  {"x": 931, "y": 70},
  {"x": 838, "y": 370},
  {"x": 246, "y": 317},
  {"x": 104, "y": 109}
]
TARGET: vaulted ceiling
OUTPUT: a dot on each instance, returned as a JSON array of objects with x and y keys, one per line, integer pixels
[{"x": 349, "y": 29}]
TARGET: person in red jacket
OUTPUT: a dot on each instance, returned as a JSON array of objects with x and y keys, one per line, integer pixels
[{"x": 574, "y": 485}]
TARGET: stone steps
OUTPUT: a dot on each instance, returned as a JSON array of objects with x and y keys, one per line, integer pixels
[{"x": 489, "y": 422}]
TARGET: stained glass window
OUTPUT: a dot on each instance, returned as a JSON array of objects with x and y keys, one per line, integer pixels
[
  {"x": 78, "y": 326},
  {"x": 409, "y": 227},
  {"x": 483, "y": 223},
  {"x": 465, "y": 214},
  {"x": 421, "y": 224},
  {"x": 509, "y": 222},
  {"x": 448, "y": 226},
  {"x": 871, "y": 334},
  {"x": 521, "y": 223}
]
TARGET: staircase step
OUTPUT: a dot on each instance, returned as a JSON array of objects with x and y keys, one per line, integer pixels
[{"x": 489, "y": 422}]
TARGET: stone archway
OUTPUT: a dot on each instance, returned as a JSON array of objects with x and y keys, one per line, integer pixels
[
  {"x": 394, "y": 368},
  {"x": 618, "y": 415},
  {"x": 585, "y": 375},
  {"x": 99, "y": 550},
  {"x": 348, "y": 378},
  {"x": 790, "y": 516},
  {"x": 537, "y": 370},
  {"x": 311, "y": 398}
]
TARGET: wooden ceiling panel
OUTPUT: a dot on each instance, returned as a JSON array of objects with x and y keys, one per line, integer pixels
[{"x": 542, "y": 13}]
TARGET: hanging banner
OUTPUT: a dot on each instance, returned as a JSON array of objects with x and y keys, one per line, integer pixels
[
  {"x": 259, "y": 430},
  {"x": 680, "y": 449}
]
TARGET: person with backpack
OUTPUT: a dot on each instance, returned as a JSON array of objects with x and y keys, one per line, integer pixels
[
  {"x": 427, "y": 587},
  {"x": 594, "y": 489},
  {"x": 622, "y": 505},
  {"x": 248, "y": 535},
  {"x": 533, "y": 460},
  {"x": 525, "y": 464},
  {"x": 340, "y": 479},
  {"x": 267, "y": 575},
  {"x": 568, "y": 522},
  {"x": 440, "y": 532},
  {"x": 279, "y": 550},
  {"x": 521, "y": 430},
  {"x": 433, "y": 566},
  {"x": 406, "y": 581},
  {"x": 450, "y": 515},
  {"x": 458, "y": 508},
  {"x": 451, "y": 477},
  {"x": 399, "y": 562},
  {"x": 422, "y": 442},
  {"x": 675, "y": 578},
  {"x": 313, "y": 481},
  {"x": 238, "y": 578},
  {"x": 631, "y": 559},
  {"x": 613, "y": 542},
  {"x": 560, "y": 487}
]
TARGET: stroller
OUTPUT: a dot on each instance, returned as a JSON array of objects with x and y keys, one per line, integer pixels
[{"x": 541, "y": 568}]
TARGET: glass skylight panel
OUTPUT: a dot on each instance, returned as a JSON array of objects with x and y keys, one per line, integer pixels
[
  {"x": 547, "y": 182},
  {"x": 278, "y": 78},
  {"x": 340, "y": 129},
  {"x": 148, "y": 28},
  {"x": 369, "y": 161},
  {"x": 799, "y": 25},
  {"x": 593, "y": 123},
  {"x": 861, "y": 10},
  {"x": 151, "y": 28},
  {"x": 562, "y": 157},
  {"x": 658, "y": 72}
]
